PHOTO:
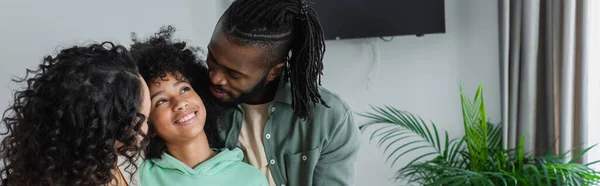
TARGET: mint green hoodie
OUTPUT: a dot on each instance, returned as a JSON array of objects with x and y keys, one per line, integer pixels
[{"x": 226, "y": 168}]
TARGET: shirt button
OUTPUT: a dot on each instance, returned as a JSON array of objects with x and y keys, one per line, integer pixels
[
  {"x": 272, "y": 161},
  {"x": 272, "y": 109},
  {"x": 304, "y": 158},
  {"x": 268, "y": 136}
]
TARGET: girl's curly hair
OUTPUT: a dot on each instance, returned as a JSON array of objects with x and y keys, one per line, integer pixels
[
  {"x": 161, "y": 54},
  {"x": 63, "y": 127}
]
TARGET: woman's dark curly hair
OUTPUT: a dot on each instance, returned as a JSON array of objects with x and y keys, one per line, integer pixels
[
  {"x": 63, "y": 127},
  {"x": 161, "y": 54}
]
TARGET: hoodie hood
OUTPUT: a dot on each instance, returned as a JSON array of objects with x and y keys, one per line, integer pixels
[{"x": 223, "y": 161}]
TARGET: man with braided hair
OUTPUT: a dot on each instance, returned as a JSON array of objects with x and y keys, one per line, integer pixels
[{"x": 265, "y": 62}]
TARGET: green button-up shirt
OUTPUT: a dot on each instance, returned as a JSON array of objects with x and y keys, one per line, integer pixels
[{"x": 320, "y": 151}]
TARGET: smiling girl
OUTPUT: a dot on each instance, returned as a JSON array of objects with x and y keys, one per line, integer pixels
[{"x": 183, "y": 121}]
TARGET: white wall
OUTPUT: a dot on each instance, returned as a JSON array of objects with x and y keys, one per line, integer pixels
[
  {"x": 421, "y": 75},
  {"x": 418, "y": 74},
  {"x": 30, "y": 29},
  {"x": 593, "y": 82}
]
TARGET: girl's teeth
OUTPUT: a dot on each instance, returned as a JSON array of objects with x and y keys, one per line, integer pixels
[{"x": 188, "y": 117}]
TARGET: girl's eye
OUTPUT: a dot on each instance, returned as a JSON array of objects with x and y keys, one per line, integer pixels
[
  {"x": 160, "y": 102},
  {"x": 185, "y": 89}
]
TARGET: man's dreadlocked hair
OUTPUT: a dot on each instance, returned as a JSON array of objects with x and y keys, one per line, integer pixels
[{"x": 280, "y": 26}]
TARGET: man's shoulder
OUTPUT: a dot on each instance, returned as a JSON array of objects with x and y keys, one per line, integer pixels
[
  {"x": 333, "y": 105},
  {"x": 333, "y": 112},
  {"x": 333, "y": 102}
]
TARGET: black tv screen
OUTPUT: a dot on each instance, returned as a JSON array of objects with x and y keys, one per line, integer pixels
[{"x": 344, "y": 19}]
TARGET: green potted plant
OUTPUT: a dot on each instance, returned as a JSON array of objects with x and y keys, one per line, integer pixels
[{"x": 477, "y": 158}]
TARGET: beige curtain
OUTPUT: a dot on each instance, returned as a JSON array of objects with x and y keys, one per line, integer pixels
[{"x": 540, "y": 47}]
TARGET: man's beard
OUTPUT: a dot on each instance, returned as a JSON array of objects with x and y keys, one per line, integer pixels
[
  {"x": 245, "y": 96},
  {"x": 256, "y": 91}
]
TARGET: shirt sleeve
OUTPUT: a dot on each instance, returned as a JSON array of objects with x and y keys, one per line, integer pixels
[{"x": 337, "y": 164}]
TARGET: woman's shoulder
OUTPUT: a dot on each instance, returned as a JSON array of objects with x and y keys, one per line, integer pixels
[{"x": 130, "y": 173}]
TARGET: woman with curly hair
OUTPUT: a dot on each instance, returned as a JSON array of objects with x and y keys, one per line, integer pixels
[
  {"x": 79, "y": 112},
  {"x": 184, "y": 120}
]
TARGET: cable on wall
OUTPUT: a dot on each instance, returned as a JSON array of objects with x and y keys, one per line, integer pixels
[{"x": 374, "y": 68}]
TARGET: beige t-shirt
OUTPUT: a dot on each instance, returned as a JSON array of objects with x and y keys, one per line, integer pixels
[{"x": 251, "y": 138}]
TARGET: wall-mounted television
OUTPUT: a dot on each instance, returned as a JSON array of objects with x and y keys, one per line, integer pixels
[{"x": 346, "y": 19}]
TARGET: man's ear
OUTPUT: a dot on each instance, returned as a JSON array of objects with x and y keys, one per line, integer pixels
[{"x": 275, "y": 71}]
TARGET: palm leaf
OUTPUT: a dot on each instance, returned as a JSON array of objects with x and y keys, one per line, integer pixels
[
  {"x": 477, "y": 158},
  {"x": 476, "y": 132},
  {"x": 394, "y": 125}
]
